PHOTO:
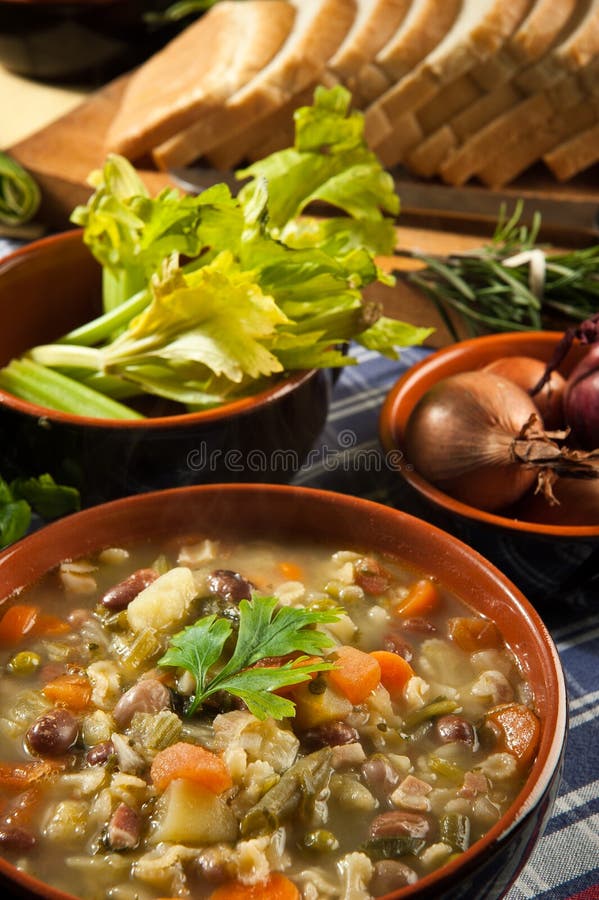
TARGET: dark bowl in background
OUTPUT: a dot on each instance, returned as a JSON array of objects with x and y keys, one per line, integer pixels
[
  {"x": 484, "y": 871},
  {"x": 52, "y": 285},
  {"x": 79, "y": 40},
  {"x": 544, "y": 560}
]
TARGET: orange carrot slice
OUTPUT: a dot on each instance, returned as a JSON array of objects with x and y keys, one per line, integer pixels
[
  {"x": 291, "y": 571},
  {"x": 19, "y": 776},
  {"x": 422, "y": 598},
  {"x": 73, "y": 691},
  {"x": 517, "y": 731},
  {"x": 277, "y": 887},
  {"x": 472, "y": 633},
  {"x": 190, "y": 761},
  {"x": 356, "y": 674},
  {"x": 17, "y": 622},
  {"x": 395, "y": 671}
]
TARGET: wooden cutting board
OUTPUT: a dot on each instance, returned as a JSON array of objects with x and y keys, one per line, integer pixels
[{"x": 61, "y": 155}]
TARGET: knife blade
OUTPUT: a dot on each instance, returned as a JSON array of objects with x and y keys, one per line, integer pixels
[
  {"x": 479, "y": 204},
  {"x": 458, "y": 204}
]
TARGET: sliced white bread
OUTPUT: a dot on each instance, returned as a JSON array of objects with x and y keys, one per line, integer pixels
[
  {"x": 582, "y": 116},
  {"x": 374, "y": 23},
  {"x": 481, "y": 141},
  {"x": 480, "y": 29},
  {"x": 544, "y": 26},
  {"x": 575, "y": 154},
  {"x": 577, "y": 53},
  {"x": 425, "y": 25},
  {"x": 208, "y": 62},
  {"x": 318, "y": 29}
]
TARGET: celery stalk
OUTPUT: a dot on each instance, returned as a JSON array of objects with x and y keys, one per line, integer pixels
[
  {"x": 37, "y": 384},
  {"x": 103, "y": 327}
]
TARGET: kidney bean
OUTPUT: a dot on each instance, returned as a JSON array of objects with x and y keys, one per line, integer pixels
[
  {"x": 390, "y": 875},
  {"x": 452, "y": 728},
  {"x": 100, "y": 753},
  {"x": 13, "y": 838},
  {"x": 329, "y": 734},
  {"x": 212, "y": 867},
  {"x": 395, "y": 643},
  {"x": 371, "y": 576},
  {"x": 120, "y": 596},
  {"x": 380, "y": 776},
  {"x": 53, "y": 733},
  {"x": 124, "y": 828},
  {"x": 419, "y": 625},
  {"x": 230, "y": 585},
  {"x": 398, "y": 823},
  {"x": 149, "y": 695}
]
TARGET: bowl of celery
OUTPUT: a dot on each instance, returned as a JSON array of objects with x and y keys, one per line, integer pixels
[{"x": 181, "y": 339}]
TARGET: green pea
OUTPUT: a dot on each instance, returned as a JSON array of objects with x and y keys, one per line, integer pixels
[
  {"x": 321, "y": 841},
  {"x": 24, "y": 663}
]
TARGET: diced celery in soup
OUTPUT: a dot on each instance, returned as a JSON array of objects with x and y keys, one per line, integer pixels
[{"x": 136, "y": 761}]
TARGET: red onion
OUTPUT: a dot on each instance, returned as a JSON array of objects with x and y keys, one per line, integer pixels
[{"x": 581, "y": 400}]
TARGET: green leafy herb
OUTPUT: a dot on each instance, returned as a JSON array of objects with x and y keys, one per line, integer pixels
[
  {"x": 511, "y": 284},
  {"x": 264, "y": 631},
  {"x": 265, "y": 288},
  {"x": 42, "y": 494}
]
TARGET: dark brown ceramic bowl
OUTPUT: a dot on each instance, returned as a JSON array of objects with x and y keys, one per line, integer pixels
[
  {"x": 541, "y": 558},
  {"x": 54, "y": 284},
  {"x": 83, "y": 40},
  {"x": 487, "y": 868}
]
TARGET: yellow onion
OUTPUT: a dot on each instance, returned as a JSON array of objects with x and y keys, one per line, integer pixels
[
  {"x": 460, "y": 434},
  {"x": 526, "y": 372},
  {"x": 578, "y": 504}
]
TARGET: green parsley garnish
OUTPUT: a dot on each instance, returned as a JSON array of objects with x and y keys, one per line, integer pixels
[{"x": 264, "y": 632}]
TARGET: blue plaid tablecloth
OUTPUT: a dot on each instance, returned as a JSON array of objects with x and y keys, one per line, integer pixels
[{"x": 348, "y": 458}]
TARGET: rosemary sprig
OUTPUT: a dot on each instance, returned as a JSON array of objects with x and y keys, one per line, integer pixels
[{"x": 511, "y": 283}]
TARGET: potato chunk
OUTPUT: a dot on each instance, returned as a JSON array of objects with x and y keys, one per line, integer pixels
[
  {"x": 190, "y": 814},
  {"x": 164, "y": 603}
]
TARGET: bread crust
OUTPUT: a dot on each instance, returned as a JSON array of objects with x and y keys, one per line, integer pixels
[
  {"x": 198, "y": 71},
  {"x": 318, "y": 30}
]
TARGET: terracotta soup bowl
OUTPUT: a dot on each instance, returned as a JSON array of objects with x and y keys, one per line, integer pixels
[{"x": 485, "y": 870}]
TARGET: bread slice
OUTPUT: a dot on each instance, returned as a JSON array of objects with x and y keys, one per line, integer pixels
[
  {"x": 575, "y": 154},
  {"x": 552, "y": 132},
  {"x": 544, "y": 26},
  {"x": 375, "y": 22},
  {"x": 425, "y": 25},
  {"x": 479, "y": 31},
  {"x": 198, "y": 70},
  {"x": 555, "y": 128},
  {"x": 523, "y": 47},
  {"x": 576, "y": 54},
  {"x": 318, "y": 30},
  {"x": 508, "y": 115}
]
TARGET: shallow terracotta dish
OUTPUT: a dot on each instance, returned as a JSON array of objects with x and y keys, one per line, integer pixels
[
  {"x": 50, "y": 286},
  {"x": 555, "y": 553},
  {"x": 490, "y": 865}
]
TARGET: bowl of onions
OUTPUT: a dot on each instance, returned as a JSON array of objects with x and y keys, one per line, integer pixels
[{"x": 514, "y": 475}]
